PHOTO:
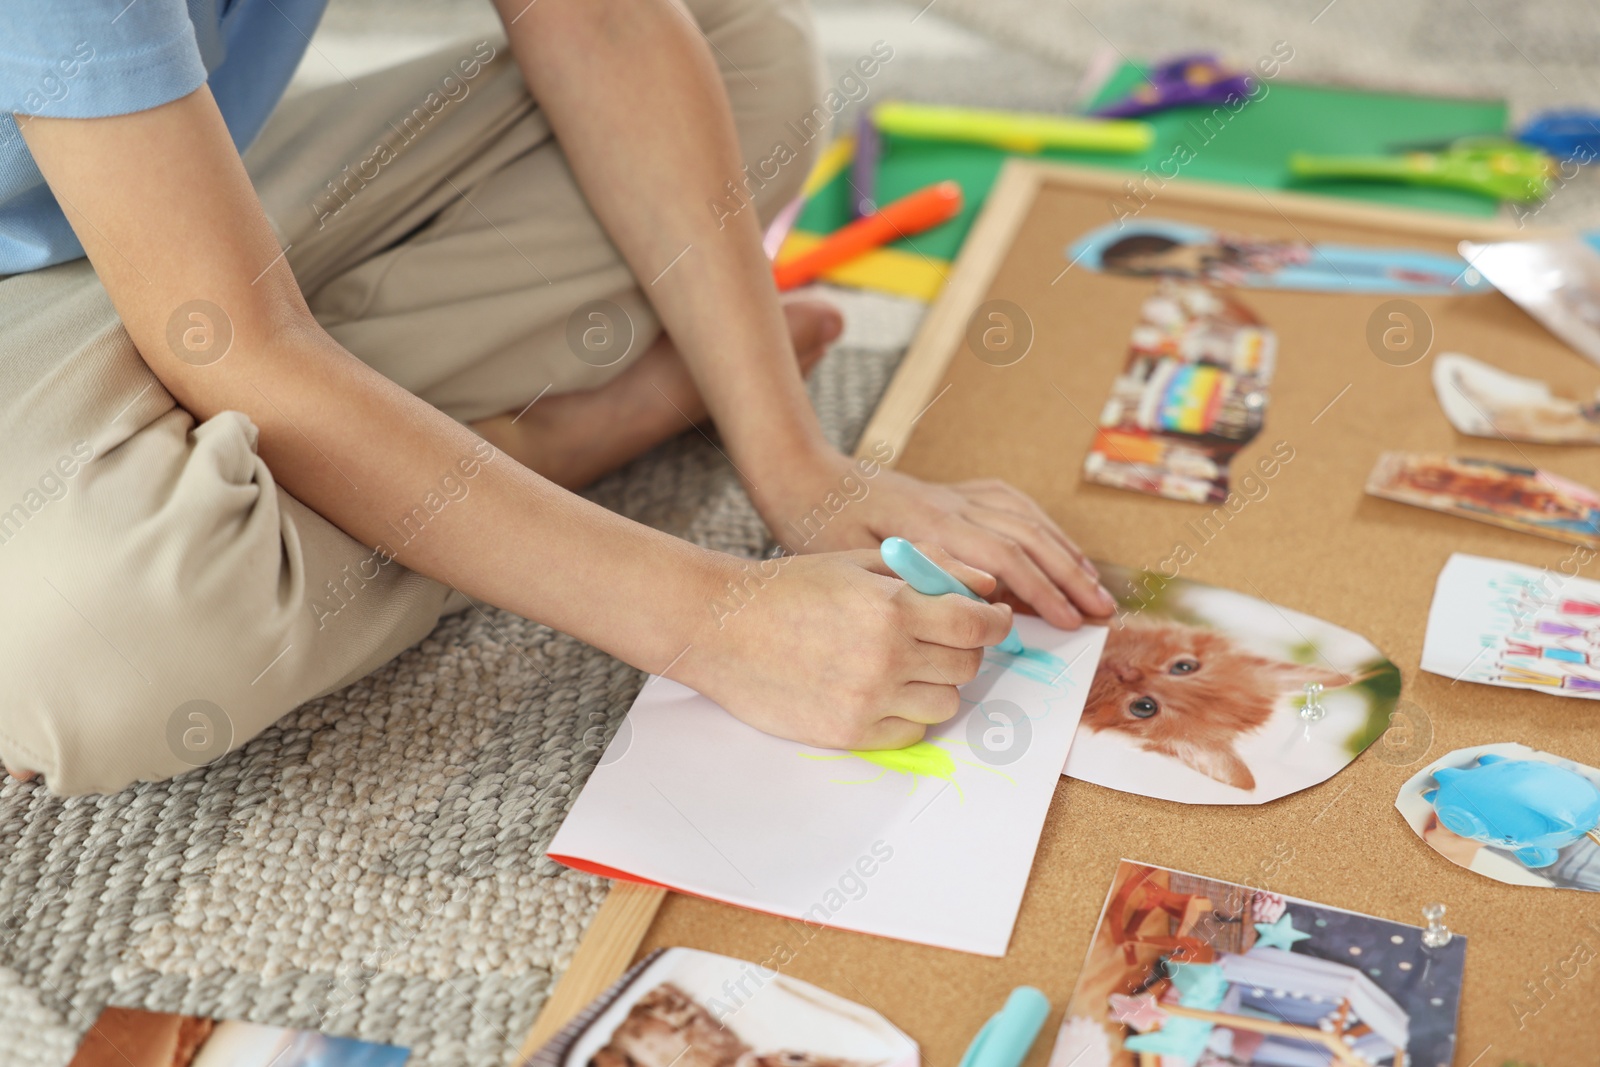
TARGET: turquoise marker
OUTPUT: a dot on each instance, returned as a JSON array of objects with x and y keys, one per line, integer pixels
[
  {"x": 1005, "y": 1039},
  {"x": 927, "y": 577}
]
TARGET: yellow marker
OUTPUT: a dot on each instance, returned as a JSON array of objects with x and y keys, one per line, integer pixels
[
  {"x": 884, "y": 270},
  {"x": 1013, "y": 131},
  {"x": 833, "y": 159}
]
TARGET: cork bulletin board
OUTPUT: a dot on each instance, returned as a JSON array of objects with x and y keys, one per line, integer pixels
[{"x": 1315, "y": 543}]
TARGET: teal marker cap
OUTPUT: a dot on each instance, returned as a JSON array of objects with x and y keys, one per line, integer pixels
[
  {"x": 1006, "y": 1038},
  {"x": 930, "y": 579}
]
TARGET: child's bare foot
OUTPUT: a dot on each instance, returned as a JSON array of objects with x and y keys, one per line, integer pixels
[
  {"x": 574, "y": 438},
  {"x": 21, "y": 776}
]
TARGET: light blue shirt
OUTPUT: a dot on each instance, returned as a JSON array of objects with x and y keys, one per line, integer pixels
[{"x": 82, "y": 59}]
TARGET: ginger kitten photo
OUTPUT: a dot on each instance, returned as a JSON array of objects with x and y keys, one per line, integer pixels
[{"x": 1191, "y": 693}]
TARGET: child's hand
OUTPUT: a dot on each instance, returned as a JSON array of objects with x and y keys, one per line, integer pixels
[
  {"x": 987, "y": 523},
  {"x": 833, "y": 651}
]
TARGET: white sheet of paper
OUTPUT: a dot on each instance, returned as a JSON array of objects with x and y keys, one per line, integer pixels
[
  {"x": 688, "y": 797},
  {"x": 1521, "y": 627}
]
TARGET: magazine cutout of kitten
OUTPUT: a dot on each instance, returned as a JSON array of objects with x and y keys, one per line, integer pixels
[{"x": 1190, "y": 693}]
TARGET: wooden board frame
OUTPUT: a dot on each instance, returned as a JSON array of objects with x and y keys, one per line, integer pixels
[{"x": 613, "y": 939}]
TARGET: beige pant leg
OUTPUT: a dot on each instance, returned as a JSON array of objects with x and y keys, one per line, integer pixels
[
  {"x": 489, "y": 301},
  {"x": 157, "y": 581},
  {"x": 165, "y": 600}
]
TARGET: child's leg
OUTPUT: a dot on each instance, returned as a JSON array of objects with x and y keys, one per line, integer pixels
[
  {"x": 465, "y": 264},
  {"x": 165, "y": 600},
  {"x": 573, "y": 438}
]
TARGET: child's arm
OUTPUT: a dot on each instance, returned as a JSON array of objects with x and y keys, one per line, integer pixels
[
  {"x": 829, "y": 652},
  {"x": 631, "y": 89}
]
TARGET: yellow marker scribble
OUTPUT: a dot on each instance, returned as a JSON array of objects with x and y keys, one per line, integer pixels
[{"x": 925, "y": 759}]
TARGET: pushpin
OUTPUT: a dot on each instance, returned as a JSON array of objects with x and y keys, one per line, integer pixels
[
  {"x": 1437, "y": 935},
  {"x": 1312, "y": 710}
]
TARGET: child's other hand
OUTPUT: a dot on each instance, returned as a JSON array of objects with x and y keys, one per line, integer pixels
[
  {"x": 832, "y": 650},
  {"x": 987, "y": 523}
]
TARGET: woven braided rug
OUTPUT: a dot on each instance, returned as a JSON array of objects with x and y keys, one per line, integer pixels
[{"x": 373, "y": 865}]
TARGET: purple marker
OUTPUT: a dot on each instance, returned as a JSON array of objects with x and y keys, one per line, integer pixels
[
  {"x": 1562, "y": 629},
  {"x": 864, "y": 168}
]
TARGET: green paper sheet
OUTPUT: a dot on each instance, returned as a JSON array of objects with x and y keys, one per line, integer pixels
[{"x": 1252, "y": 147}]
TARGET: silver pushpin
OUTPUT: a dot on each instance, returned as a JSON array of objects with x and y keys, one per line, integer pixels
[
  {"x": 1312, "y": 710},
  {"x": 1437, "y": 935}
]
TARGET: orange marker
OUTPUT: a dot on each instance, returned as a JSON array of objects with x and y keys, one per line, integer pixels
[{"x": 921, "y": 210}]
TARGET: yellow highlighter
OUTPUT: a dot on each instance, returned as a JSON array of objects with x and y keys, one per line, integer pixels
[{"x": 1012, "y": 131}]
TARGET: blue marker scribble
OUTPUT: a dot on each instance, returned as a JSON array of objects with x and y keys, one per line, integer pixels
[{"x": 1034, "y": 664}]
